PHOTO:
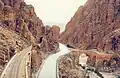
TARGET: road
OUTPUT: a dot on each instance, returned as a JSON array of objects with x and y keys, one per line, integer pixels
[
  {"x": 16, "y": 67},
  {"x": 50, "y": 65},
  {"x": 108, "y": 75}
]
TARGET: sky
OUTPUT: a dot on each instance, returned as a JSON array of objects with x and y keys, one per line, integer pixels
[{"x": 56, "y": 12}]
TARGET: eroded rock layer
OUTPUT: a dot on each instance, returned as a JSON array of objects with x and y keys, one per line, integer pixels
[
  {"x": 92, "y": 23},
  {"x": 10, "y": 44},
  {"x": 19, "y": 18}
]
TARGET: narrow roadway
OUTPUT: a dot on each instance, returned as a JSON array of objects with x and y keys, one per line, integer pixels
[
  {"x": 16, "y": 67},
  {"x": 50, "y": 65}
]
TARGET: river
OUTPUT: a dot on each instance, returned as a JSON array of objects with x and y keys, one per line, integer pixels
[{"x": 49, "y": 68}]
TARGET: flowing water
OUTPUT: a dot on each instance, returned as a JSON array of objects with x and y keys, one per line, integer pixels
[{"x": 49, "y": 69}]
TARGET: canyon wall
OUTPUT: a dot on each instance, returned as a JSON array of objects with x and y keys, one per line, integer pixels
[
  {"x": 21, "y": 26},
  {"x": 93, "y": 25}
]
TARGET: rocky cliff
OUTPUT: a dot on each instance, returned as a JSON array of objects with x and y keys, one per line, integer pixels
[
  {"x": 94, "y": 26},
  {"x": 48, "y": 44},
  {"x": 18, "y": 16},
  {"x": 20, "y": 19},
  {"x": 10, "y": 44}
]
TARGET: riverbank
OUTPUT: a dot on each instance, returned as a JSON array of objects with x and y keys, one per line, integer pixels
[
  {"x": 69, "y": 67},
  {"x": 50, "y": 72}
]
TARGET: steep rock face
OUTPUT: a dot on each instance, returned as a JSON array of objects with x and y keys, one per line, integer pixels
[
  {"x": 91, "y": 23},
  {"x": 10, "y": 43},
  {"x": 49, "y": 41},
  {"x": 21, "y": 19},
  {"x": 48, "y": 44},
  {"x": 13, "y": 3},
  {"x": 111, "y": 42},
  {"x": 16, "y": 15}
]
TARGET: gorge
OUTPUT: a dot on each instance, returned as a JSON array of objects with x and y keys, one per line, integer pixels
[{"x": 30, "y": 49}]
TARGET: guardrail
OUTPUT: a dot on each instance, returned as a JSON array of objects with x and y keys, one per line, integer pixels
[{"x": 28, "y": 65}]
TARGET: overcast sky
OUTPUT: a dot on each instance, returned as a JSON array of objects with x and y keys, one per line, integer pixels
[{"x": 55, "y": 11}]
